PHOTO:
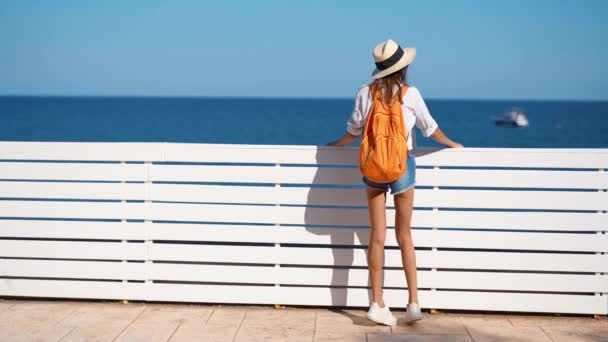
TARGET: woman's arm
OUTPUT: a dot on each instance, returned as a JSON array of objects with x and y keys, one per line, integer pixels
[
  {"x": 441, "y": 138},
  {"x": 438, "y": 136},
  {"x": 346, "y": 139},
  {"x": 354, "y": 124},
  {"x": 427, "y": 124}
]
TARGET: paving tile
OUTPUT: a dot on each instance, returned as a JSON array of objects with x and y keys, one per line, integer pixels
[
  {"x": 272, "y": 332},
  {"x": 288, "y": 316},
  {"x": 415, "y": 338},
  {"x": 100, "y": 321},
  {"x": 546, "y": 321},
  {"x": 480, "y": 319},
  {"x": 227, "y": 315},
  {"x": 597, "y": 332},
  {"x": 491, "y": 333},
  {"x": 437, "y": 324},
  {"x": 346, "y": 320},
  {"x": 34, "y": 321},
  {"x": 94, "y": 332},
  {"x": 32, "y": 317},
  {"x": 156, "y": 313},
  {"x": 190, "y": 332},
  {"x": 47, "y": 304},
  {"x": 148, "y": 332},
  {"x": 338, "y": 336},
  {"x": 5, "y": 304},
  {"x": 32, "y": 332},
  {"x": 104, "y": 313}
]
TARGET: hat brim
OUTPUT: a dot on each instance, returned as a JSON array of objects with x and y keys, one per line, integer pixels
[{"x": 406, "y": 59}]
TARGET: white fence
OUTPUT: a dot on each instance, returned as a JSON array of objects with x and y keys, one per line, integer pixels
[{"x": 495, "y": 229}]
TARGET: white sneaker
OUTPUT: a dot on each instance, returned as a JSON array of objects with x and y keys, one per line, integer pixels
[
  {"x": 381, "y": 315},
  {"x": 413, "y": 313}
]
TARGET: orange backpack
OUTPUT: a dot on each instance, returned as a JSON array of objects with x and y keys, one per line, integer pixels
[{"x": 383, "y": 151}]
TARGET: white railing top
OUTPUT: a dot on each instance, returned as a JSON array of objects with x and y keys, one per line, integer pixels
[{"x": 575, "y": 158}]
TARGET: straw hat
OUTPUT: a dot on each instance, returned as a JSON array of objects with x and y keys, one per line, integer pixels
[{"x": 390, "y": 57}]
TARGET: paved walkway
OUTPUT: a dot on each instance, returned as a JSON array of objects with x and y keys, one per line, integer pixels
[{"x": 48, "y": 320}]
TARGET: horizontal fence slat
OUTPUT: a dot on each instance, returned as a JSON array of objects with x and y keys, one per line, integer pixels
[
  {"x": 521, "y": 261},
  {"x": 224, "y": 174},
  {"x": 510, "y": 240},
  {"x": 103, "y": 230},
  {"x": 74, "y": 210},
  {"x": 74, "y": 190},
  {"x": 523, "y": 302},
  {"x": 237, "y": 153},
  {"x": 304, "y": 276},
  {"x": 81, "y": 150},
  {"x": 513, "y": 158},
  {"x": 421, "y": 218},
  {"x": 452, "y": 219},
  {"x": 73, "y": 171},
  {"x": 484, "y": 199},
  {"x": 301, "y": 235},
  {"x": 270, "y": 154},
  {"x": 483, "y": 157},
  {"x": 72, "y": 250},
  {"x": 392, "y": 278},
  {"x": 548, "y": 179},
  {"x": 360, "y": 237},
  {"x": 216, "y": 193},
  {"x": 503, "y": 199},
  {"x": 301, "y": 215},
  {"x": 351, "y": 176},
  {"x": 74, "y": 269},
  {"x": 73, "y": 289},
  {"x": 298, "y": 175},
  {"x": 496, "y": 281}
]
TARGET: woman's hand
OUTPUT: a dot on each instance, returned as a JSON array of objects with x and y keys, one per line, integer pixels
[
  {"x": 441, "y": 138},
  {"x": 346, "y": 139}
]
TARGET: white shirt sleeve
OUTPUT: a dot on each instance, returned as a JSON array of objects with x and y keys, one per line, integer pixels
[
  {"x": 424, "y": 120},
  {"x": 354, "y": 124}
]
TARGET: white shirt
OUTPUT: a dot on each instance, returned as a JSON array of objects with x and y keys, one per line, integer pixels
[{"x": 414, "y": 112}]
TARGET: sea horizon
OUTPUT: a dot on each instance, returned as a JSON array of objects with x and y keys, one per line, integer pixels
[
  {"x": 286, "y": 120},
  {"x": 254, "y": 97}
]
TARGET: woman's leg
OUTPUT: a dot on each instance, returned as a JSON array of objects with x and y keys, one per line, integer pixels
[
  {"x": 404, "y": 203},
  {"x": 376, "y": 200}
]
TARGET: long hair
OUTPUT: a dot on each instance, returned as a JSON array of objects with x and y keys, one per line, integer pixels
[{"x": 384, "y": 87}]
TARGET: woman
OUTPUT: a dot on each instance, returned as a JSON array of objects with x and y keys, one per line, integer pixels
[{"x": 390, "y": 74}]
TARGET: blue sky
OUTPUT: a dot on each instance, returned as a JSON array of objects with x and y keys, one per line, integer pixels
[{"x": 465, "y": 49}]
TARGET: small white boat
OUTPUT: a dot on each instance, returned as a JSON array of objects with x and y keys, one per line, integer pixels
[{"x": 514, "y": 118}]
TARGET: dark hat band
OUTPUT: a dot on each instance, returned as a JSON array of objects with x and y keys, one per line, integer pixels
[{"x": 389, "y": 62}]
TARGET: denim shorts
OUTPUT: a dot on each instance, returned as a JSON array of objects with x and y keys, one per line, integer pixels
[{"x": 400, "y": 185}]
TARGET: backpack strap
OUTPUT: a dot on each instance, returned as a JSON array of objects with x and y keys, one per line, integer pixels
[
  {"x": 400, "y": 94},
  {"x": 370, "y": 111},
  {"x": 403, "y": 90}
]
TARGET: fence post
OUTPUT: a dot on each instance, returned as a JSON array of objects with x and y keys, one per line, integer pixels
[
  {"x": 277, "y": 246},
  {"x": 147, "y": 224},
  {"x": 124, "y": 242},
  {"x": 602, "y": 233},
  {"x": 434, "y": 249}
]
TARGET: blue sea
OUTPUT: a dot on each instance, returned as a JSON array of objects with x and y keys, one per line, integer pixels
[{"x": 285, "y": 121}]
